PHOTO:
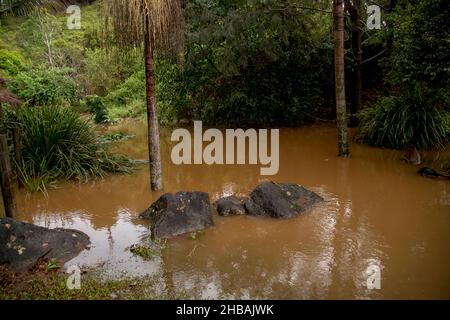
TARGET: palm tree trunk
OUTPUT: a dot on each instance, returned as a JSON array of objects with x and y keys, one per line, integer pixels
[
  {"x": 341, "y": 112},
  {"x": 152, "y": 117}
]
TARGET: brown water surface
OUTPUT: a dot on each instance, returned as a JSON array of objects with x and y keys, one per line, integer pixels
[{"x": 378, "y": 211}]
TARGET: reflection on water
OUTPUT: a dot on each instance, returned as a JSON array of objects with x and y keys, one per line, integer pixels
[{"x": 378, "y": 211}]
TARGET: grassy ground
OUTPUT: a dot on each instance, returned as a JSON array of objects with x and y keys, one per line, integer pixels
[{"x": 46, "y": 283}]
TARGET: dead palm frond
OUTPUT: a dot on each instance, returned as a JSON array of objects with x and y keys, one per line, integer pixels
[
  {"x": 25, "y": 7},
  {"x": 126, "y": 22}
]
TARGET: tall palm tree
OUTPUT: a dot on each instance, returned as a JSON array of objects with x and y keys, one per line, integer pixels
[
  {"x": 155, "y": 24},
  {"x": 339, "y": 67}
]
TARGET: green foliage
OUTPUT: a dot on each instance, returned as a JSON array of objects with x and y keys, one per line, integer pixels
[
  {"x": 115, "y": 136},
  {"x": 132, "y": 89},
  {"x": 105, "y": 69},
  {"x": 97, "y": 107},
  {"x": 247, "y": 65},
  {"x": 43, "y": 86},
  {"x": 11, "y": 62},
  {"x": 128, "y": 99},
  {"x": 51, "y": 285},
  {"x": 58, "y": 143},
  {"x": 40, "y": 181},
  {"x": 148, "y": 251},
  {"x": 418, "y": 117},
  {"x": 53, "y": 264},
  {"x": 421, "y": 43}
]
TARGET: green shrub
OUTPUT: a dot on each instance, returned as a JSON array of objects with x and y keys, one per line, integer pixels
[
  {"x": 134, "y": 109},
  {"x": 133, "y": 88},
  {"x": 58, "y": 143},
  {"x": 11, "y": 62},
  {"x": 418, "y": 117},
  {"x": 256, "y": 64},
  {"x": 97, "y": 107},
  {"x": 42, "y": 86},
  {"x": 128, "y": 99},
  {"x": 101, "y": 72},
  {"x": 420, "y": 48}
]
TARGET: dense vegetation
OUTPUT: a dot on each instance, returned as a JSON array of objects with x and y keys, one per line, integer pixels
[
  {"x": 244, "y": 63},
  {"x": 58, "y": 143},
  {"x": 414, "y": 109}
]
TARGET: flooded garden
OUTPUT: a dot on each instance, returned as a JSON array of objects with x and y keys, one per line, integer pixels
[
  {"x": 377, "y": 211},
  {"x": 224, "y": 150}
]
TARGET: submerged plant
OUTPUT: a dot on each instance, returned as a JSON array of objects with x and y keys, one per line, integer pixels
[
  {"x": 97, "y": 107},
  {"x": 148, "y": 250},
  {"x": 57, "y": 143}
]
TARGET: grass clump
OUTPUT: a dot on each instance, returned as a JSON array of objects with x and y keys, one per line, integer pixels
[
  {"x": 57, "y": 143},
  {"x": 52, "y": 285},
  {"x": 148, "y": 251},
  {"x": 417, "y": 117}
]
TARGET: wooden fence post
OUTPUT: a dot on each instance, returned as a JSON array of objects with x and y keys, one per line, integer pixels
[
  {"x": 17, "y": 140},
  {"x": 6, "y": 178}
]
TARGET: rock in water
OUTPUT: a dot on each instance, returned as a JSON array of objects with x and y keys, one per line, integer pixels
[
  {"x": 430, "y": 173},
  {"x": 175, "y": 214},
  {"x": 23, "y": 244},
  {"x": 230, "y": 206},
  {"x": 280, "y": 200}
]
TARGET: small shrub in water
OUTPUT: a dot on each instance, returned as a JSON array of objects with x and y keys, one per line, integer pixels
[
  {"x": 97, "y": 107},
  {"x": 418, "y": 117},
  {"x": 58, "y": 143}
]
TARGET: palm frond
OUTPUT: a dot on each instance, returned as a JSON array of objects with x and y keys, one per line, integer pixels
[{"x": 126, "y": 18}]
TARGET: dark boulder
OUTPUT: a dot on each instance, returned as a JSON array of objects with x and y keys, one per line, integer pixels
[
  {"x": 175, "y": 214},
  {"x": 23, "y": 244},
  {"x": 280, "y": 200},
  {"x": 230, "y": 206}
]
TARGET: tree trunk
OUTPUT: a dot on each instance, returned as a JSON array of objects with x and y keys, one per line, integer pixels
[
  {"x": 357, "y": 51},
  {"x": 341, "y": 112},
  {"x": 152, "y": 117},
  {"x": 6, "y": 178}
]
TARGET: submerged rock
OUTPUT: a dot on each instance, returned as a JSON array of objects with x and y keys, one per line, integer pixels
[
  {"x": 280, "y": 200},
  {"x": 175, "y": 214},
  {"x": 230, "y": 206},
  {"x": 430, "y": 173},
  {"x": 23, "y": 244}
]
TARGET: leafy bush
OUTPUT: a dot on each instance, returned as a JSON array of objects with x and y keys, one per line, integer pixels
[
  {"x": 247, "y": 65},
  {"x": 134, "y": 109},
  {"x": 11, "y": 62},
  {"x": 105, "y": 69},
  {"x": 97, "y": 107},
  {"x": 42, "y": 86},
  {"x": 418, "y": 117},
  {"x": 133, "y": 88},
  {"x": 128, "y": 99},
  {"x": 57, "y": 143},
  {"x": 420, "y": 48}
]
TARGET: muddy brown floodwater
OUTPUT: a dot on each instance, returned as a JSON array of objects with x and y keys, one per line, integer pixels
[{"x": 378, "y": 211}]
